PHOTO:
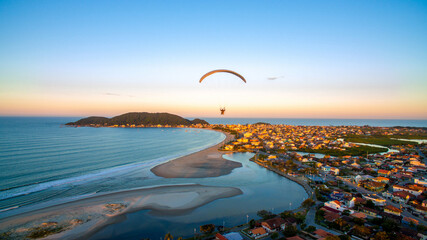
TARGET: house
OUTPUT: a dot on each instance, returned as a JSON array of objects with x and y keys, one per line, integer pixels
[
  {"x": 402, "y": 196},
  {"x": 420, "y": 181},
  {"x": 295, "y": 238},
  {"x": 335, "y": 204},
  {"x": 421, "y": 209},
  {"x": 331, "y": 216},
  {"x": 258, "y": 232},
  {"x": 359, "y": 215},
  {"x": 392, "y": 210},
  {"x": 414, "y": 191},
  {"x": 228, "y": 147},
  {"x": 383, "y": 173},
  {"x": 332, "y": 170},
  {"x": 322, "y": 234},
  {"x": 273, "y": 224},
  {"x": 335, "y": 195},
  {"x": 369, "y": 211},
  {"x": 350, "y": 202},
  {"x": 408, "y": 221},
  {"x": 374, "y": 186},
  {"x": 378, "y": 201},
  {"x": 381, "y": 180}
]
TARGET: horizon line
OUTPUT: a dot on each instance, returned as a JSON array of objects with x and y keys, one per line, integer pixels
[{"x": 193, "y": 117}]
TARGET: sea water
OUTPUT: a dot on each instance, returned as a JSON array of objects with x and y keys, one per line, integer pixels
[
  {"x": 322, "y": 122},
  {"x": 41, "y": 160}
]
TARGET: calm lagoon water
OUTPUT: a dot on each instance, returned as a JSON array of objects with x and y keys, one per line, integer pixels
[{"x": 262, "y": 189}]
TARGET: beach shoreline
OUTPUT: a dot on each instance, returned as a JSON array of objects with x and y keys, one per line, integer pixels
[
  {"x": 84, "y": 217},
  {"x": 205, "y": 163}
]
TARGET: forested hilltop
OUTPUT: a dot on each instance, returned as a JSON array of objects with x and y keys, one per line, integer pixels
[{"x": 135, "y": 119}]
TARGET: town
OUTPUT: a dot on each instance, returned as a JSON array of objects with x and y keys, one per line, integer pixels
[{"x": 364, "y": 182}]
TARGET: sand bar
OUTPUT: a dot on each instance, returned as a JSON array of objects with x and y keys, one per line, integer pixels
[
  {"x": 81, "y": 218},
  {"x": 205, "y": 163}
]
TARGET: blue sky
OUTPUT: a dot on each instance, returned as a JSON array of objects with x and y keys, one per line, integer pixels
[{"x": 355, "y": 59}]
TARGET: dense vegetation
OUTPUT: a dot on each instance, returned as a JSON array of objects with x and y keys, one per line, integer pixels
[
  {"x": 378, "y": 140},
  {"x": 136, "y": 118},
  {"x": 354, "y": 151}
]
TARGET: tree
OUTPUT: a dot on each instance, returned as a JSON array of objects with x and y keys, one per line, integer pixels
[
  {"x": 168, "y": 236},
  {"x": 251, "y": 223},
  {"x": 381, "y": 236},
  {"x": 340, "y": 223},
  {"x": 286, "y": 214},
  {"x": 359, "y": 221},
  {"x": 274, "y": 235},
  {"x": 300, "y": 217},
  {"x": 320, "y": 215},
  {"x": 344, "y": 237},
  {"x": 303, "y": 226},
  {"x": 389, "y": 225},
  {"x": 310, "y": 229},
  {"x": 207, "y": 228},
  {"x": 361, "y": 231},
  {"x": 370, "y": 204},
  {"x": 421, "y": 228},
  {"x": 307, "y": 203},
  {"x": 346, "y": 212},
  {"x": 333, "y": 237},
  {"x": 264, "y": 214},
  {"x": 290, "y": 231}
]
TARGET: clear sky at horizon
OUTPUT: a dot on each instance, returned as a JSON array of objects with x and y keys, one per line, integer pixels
[{"x": 302, "y": 59}]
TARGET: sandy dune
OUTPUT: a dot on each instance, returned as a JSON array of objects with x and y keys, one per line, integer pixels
[{"x": 206, "y": 163}]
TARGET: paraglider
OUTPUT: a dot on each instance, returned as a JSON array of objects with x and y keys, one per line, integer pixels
[
  {"x": 221, "y": 70},
  {"x": 222, "y": 109}
]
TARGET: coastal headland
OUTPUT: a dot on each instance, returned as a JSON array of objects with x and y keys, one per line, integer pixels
[
  {"x": 81, "y": 218},
  {"x": 205, "y": 163}
]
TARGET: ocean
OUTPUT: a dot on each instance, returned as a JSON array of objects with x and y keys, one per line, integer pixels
[
  {"x": 321, "y": 122},
  {"x": 41, "y": 160}
]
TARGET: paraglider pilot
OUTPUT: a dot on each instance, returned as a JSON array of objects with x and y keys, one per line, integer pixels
[{"x": 222, "y": 110}]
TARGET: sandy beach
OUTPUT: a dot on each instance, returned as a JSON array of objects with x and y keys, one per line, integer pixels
[
  {"x": 206, "y": 163},
  {"x": 81, "y": 218}
]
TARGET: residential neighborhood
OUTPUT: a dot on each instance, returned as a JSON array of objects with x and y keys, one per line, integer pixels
[{"x": 364, "y": 182}]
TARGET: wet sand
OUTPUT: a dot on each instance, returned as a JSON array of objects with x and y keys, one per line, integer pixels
[
  {"x": 206, "y": 163},
  {"x": 81, "y": 218}
]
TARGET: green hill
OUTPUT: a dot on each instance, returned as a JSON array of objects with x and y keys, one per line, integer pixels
[{"x": 137, "y": 118}]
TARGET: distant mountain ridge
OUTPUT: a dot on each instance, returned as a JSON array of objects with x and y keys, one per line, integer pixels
[{"x": 137, "y": 118}]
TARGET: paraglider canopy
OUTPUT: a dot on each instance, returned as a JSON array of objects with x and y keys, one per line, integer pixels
[
  {"x": 221, "y": 70},
  {"x": 222, "y": 108}
]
